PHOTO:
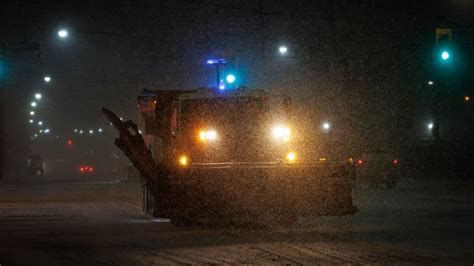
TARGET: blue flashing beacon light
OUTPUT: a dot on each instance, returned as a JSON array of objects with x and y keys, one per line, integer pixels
[
  {"x": 216, "y": 62},
  {"x": 221, "y": 85}
]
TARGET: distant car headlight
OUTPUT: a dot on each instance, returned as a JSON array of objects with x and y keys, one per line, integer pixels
[
  {"x": 207, "y": 135},
  {"x": 281, "y": 133}
]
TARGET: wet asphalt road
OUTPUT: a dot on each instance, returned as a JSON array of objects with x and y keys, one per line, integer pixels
[{"x": 97, "y": 222}]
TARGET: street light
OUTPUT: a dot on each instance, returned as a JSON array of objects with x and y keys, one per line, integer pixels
[
  {"x": 31, "y": 121},
  {"x": 32, "y": 113},
  {"x": 38, "y": 96},
  {"x": 467, "y": 98},
  {"x": 33, "y": 104},
  {"x": 91, "y": 131},
  {"x": 99, "y": 130},
  {"x": 430, "y": 126},
  {"x": 47, "y": 79},
  {"x": 283, "y": 50},
  {"x": 46, "y": 131},
  {"x": 430, "y": 83},
  {"x": 326, "y": 126},
  {"x": 40, "y": 123},
  {"x": 81, "y": 131},
  {"x": 63, "y": 33}
]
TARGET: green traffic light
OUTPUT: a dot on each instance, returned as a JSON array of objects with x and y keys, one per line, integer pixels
[
  {"x": 445, "y": 55},
  {"x": 230, "y": 78}
]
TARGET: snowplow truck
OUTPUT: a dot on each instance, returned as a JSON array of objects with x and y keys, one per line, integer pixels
[{"x": 211, "y": 156}]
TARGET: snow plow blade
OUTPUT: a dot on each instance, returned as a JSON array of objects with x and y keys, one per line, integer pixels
[{"x": 260, "y": 194}]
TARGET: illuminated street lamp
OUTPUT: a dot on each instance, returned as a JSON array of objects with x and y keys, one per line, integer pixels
[
  {"x": 75, "y": 130},
  {"x": 467, "y": 98},
  {"x": 31, "y": 121},
  {"x": 32, "y": 113},
  {"x": 33, "y": 104},
  {"x": 430, "y": 83},
  {"x": 99, "y": 130},
  {"x": 81, "y": 132},
  {"x": 91, "y": 131},
  {"x": 283, "y": 50},
  {"x": 40, "y": 123},
  {"x": 38, "y": 96},
  {"x": 62, "y": 33},
  {"x": 46, "y": 131},
  {"x": 47, "y": 79},
  {"x": 326, "y": 126},
  {"x": 430, "y": 126}
]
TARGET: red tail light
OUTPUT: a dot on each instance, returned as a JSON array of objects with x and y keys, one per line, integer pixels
[
  {"x": 395, "y": 161},
  {"x": 360, "y": 162},
  {"x": 81, "y": 169},
  {"x": 91, "y": 169}
]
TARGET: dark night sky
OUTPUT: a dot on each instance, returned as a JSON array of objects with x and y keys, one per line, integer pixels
[{"x": 353, "y": 58}]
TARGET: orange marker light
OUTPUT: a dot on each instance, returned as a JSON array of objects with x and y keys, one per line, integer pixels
[{"x": 183, "y": 160}]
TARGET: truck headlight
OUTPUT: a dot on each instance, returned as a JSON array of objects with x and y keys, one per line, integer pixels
[
  {"x": 207, "y": 135},
  {"x": 281, "y": 133},
  {"x": 291, "y": 157}
]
